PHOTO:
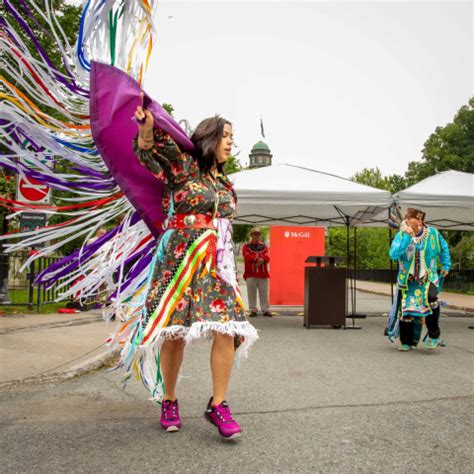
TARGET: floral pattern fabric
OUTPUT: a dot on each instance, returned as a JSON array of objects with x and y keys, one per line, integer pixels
[{"x": 207, "y": 298}]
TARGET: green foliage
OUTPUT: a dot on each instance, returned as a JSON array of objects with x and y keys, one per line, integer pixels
[
  {"x": 241, "y": 233},
  {"x": 336, "y": 242},
  {"x": 397, "y": 183},
  {"x": 232, "y": 165},
  {"x": 265, "y": 234},
  {"x": 169, "y": 108},
  {"x": 68, "y": 16},
  {"x": 449, "y": 148},
  {"x": 372, "y": 246},
  {"x": 461, "y": 247},
  {"x": 373, "y": 177},
  {"x": 7, "y": 190},
  {"x": 7, "y": 187}
]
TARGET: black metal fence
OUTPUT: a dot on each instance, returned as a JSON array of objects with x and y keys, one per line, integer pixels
[
  {"x": 18, "y": 288},
  {"x": 457, "y": 280}
]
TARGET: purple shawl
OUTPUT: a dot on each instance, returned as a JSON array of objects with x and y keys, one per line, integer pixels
[{"x": 114, "y": 96}]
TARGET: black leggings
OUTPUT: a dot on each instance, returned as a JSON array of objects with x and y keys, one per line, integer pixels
[{"x": 407, "y": 330}]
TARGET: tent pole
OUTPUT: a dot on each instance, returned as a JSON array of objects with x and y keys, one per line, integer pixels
[
  {"x": 349, "y": 277},
  {"x": 354, "y": 304}
]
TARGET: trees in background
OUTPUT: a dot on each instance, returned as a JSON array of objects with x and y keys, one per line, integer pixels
[
  {"x": 448, "y": 148},
  {"x": 373, "y": 177},
  {"x": 68, "y": 16},
  {"x": 372, "y": 246}
]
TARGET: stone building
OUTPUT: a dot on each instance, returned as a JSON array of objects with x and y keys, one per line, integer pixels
[{"x": 260, "y": 156}]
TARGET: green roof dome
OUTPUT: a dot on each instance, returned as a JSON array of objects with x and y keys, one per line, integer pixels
[{"x": 260, "y": 146}]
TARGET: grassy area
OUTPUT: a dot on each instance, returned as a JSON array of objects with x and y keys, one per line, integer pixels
[
  {"x": 18, "y": 298},
  {"x": 19, "y": 295}
]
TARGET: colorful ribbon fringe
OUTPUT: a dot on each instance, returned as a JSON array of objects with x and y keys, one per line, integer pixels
[{"x": 45, "y": 130}]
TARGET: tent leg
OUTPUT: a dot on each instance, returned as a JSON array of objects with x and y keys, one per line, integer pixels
[
  {"x": 348, "y": 260},
  {"x": 355, "y": 314}
]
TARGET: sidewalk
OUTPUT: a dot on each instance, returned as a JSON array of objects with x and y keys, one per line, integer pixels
[
  {"x": 453, "y": 300},
  {"x": 49, "y": 346}
]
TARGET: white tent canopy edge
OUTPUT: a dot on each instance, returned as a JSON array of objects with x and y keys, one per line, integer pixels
[
  {"x": 293, "y": 195},
  {"x": 446, "y": 197}
]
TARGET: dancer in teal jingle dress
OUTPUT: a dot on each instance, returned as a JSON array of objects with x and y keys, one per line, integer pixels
[{"x": 418, "y": 248}]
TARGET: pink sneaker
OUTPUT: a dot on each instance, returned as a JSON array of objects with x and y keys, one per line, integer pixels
[
  {"x": 170, "y": 420},
  {"x": 221, "y": 417}
]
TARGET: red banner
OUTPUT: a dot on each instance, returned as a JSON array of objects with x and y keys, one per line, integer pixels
[{"x": 289, "y": 248}]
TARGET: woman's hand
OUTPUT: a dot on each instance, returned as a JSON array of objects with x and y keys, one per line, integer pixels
[
  {"x": 407, "y": 229},
  {"x": 145, "y": 127}
]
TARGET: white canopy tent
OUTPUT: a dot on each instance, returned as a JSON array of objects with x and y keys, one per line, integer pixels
[
  {"x": 447, "y": 198},
  {"x": 292, "y": 195}
]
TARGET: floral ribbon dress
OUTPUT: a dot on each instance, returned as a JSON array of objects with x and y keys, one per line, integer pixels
[{"x": 192, "y": 288}]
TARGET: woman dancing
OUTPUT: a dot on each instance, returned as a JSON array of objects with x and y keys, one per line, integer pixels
[
  {"x": 193, "y": 290},
  {"x": 418, "y": 248}
]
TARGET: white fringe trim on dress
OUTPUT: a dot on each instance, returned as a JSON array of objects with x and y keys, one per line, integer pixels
[{"x": 144, "y": 359}]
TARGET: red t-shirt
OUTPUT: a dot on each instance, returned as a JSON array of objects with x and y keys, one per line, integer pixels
[{"x": 252, "y": 252}]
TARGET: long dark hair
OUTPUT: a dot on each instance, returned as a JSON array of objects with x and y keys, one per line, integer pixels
[{"x": 206, "y": 138}]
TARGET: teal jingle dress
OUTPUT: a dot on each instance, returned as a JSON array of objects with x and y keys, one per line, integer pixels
[{"x": 418, "y": 259}]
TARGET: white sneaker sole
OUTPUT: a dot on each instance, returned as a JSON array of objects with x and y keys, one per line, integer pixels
[{"x": 172, "y": 429}]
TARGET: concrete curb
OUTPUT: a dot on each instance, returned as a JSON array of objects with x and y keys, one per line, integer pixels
[{"x": 90, "y": 365}]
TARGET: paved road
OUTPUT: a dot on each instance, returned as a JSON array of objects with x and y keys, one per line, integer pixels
[{"x": 314, "y": 400}]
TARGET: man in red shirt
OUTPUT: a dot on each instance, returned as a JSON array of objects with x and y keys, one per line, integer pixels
[{"x": 256, "y": 272}]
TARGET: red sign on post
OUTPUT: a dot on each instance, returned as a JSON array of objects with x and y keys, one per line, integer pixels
[
  {"x": 289, "y": 248},
  {"x": 32, "y": 190}
]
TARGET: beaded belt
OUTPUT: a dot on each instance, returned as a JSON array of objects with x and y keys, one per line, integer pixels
[{"x": 191, "y": 221}]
